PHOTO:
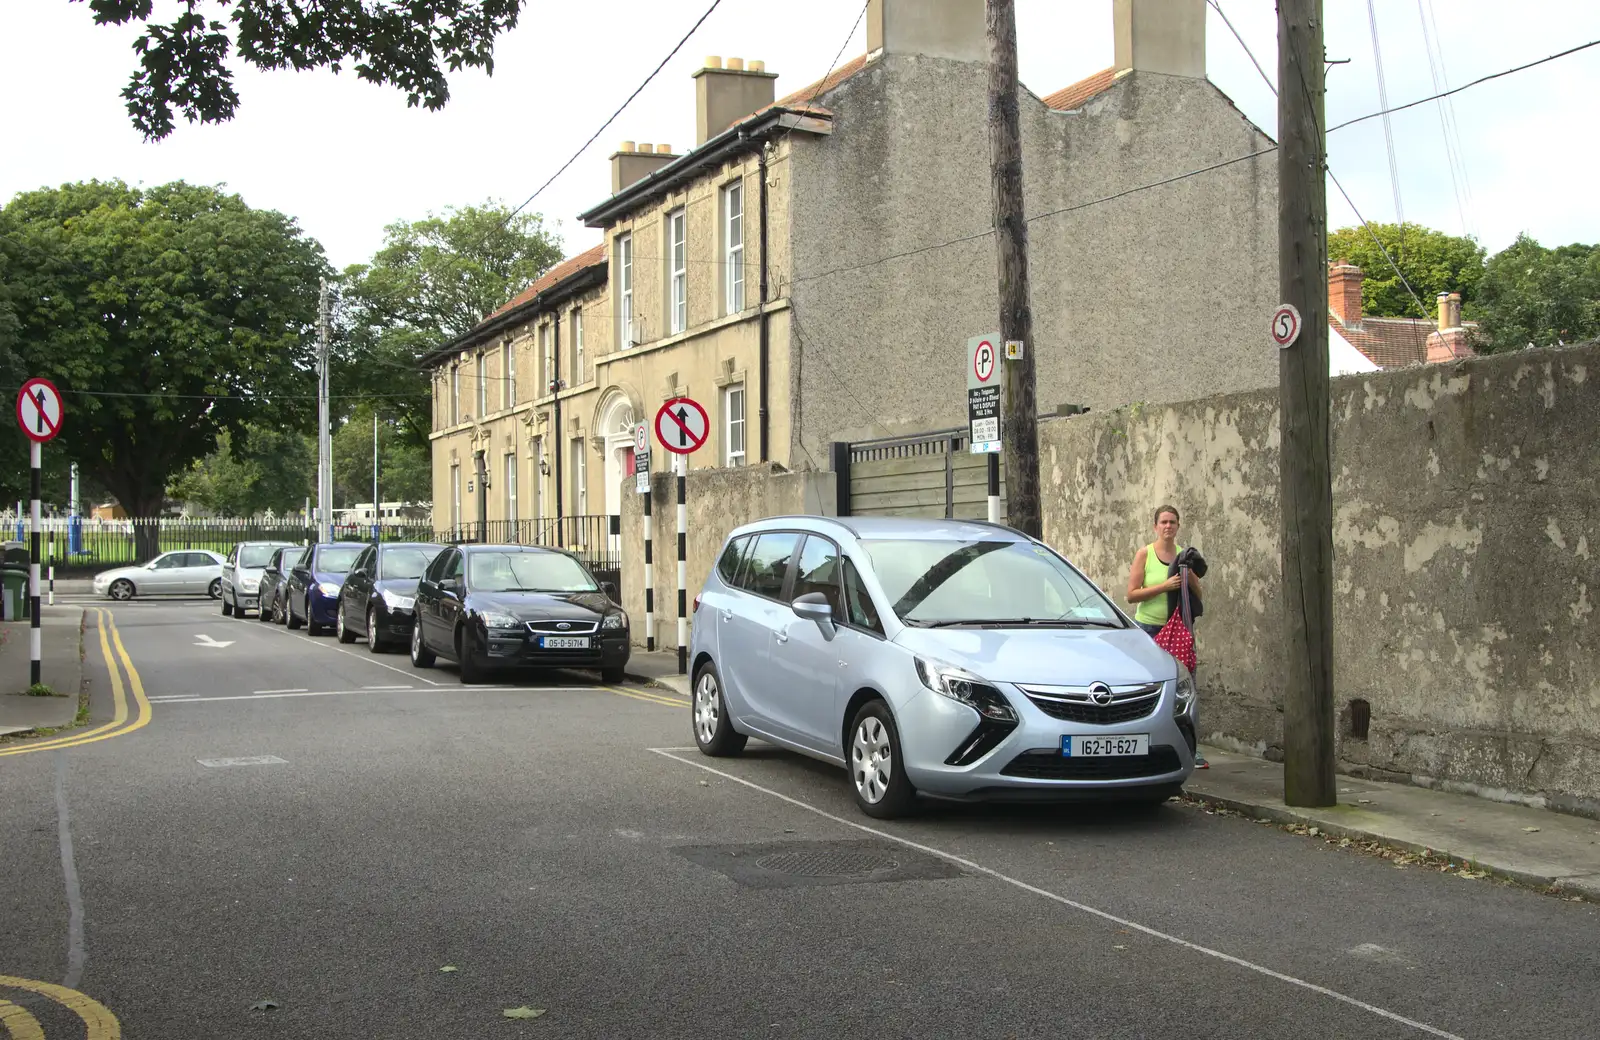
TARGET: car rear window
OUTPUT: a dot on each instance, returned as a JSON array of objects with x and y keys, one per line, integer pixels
[{"x": 256, "y": 555}]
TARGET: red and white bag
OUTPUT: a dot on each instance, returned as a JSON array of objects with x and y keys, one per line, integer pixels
[{"x": 1175, "y": 637}]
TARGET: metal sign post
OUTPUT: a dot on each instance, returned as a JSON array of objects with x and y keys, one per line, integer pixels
[
  {"x": 683, "y": 427},
  {"x": 641, "y": 484},
  {"x": 983, "y": 409},
  {"x": 39, "y": 415}
]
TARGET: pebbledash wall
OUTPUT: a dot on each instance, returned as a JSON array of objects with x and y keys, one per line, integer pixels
[{"x": 1466, "y": 498}]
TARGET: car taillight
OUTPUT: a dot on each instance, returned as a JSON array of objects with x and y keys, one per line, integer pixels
[{"x": 696, "y": 609}]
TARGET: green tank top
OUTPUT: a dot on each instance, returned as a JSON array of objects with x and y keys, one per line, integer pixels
[{"x": 1153, "y": 611}]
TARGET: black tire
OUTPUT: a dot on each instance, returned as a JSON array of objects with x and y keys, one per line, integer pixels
[
  {"x": 290, "y": 621},
  {"x": 874, "y": 729},
  {"x": 421, "y": 656},
  {"x": 471, "y": 671},
  {"x": 1152, "y": 798},
  {"x": 122, "y": 590},
  {"x": 345, "y": 635},
  {"x": 613, "y": 675},
  {"x": 375, "y": 643},
  {"x": 227, "y": 607},
  {"x": 280, "y": 610},
  {"x": 714, "y": 734},
  {"x": 262, "y": 613},
  {"x": 214, "y": 590},
  {"x": 312, "y": 627}
]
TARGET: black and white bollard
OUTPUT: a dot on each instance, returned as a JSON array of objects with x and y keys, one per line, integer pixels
[
  {"x": 649, "y": 577},
  {"x": 683, "y": 592},
  {"x": 35, "y": 459},
  {"x": 994, "y": 488}
]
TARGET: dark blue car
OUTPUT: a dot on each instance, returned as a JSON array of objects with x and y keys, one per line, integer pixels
[{"x": 311, "y": 597}]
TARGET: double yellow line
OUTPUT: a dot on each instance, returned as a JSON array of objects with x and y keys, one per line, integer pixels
[
  {"x": 649, "y": 697},
  {"x": 19, "y": 1024},
  {"x": 121, "y": 722}
]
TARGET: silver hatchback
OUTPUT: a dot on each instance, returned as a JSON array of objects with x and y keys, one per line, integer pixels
[{"x": 954, "y": 659}]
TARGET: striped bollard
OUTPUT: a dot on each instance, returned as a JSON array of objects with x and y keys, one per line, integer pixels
[{"x": 682, "y": 462}]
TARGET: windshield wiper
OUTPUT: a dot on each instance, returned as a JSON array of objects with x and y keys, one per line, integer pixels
[{"x": 1015, "y": 623}]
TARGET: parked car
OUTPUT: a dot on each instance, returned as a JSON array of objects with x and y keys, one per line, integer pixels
[
  {"x": 241, "y": 575},
  {"x": 508, "y": 606},
  {"x": 311, "y": 594},
  {"x": 185, "y": 572},
  {"x": 957, "y": 659},
  {"x": 274, "y": 578},
  {"x": 380, "y": 592}
]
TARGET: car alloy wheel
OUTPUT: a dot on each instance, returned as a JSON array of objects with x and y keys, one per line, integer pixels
[
  {"x": 121, "y": 589},
  {"x": 374, "y": 644},
  {"x": 214, "y": 590},
  {"x": 343, "y": 630},
  {"x": 871, "y": 760},
  {"x": 421, "y": 656}
]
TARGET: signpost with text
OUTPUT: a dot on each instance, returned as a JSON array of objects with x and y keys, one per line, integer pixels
[
  {"x": 983, "y": 409},
  {"x": 682, "y": 427}
]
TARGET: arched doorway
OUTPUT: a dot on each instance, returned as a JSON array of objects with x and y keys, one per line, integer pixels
[{"x": 614, "y": 429}]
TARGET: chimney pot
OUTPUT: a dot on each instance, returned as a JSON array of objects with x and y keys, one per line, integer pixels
[
  {"x": 757, "y": 66},
  {"x": 646, "y": 147},
  {"x": 663, "y": 149},
  {"x": 714, "y": 62},
  {"x": 626, "y": 146},
  {"x": 735, "y": 65},
  {"x": 1449, "y": 311}
]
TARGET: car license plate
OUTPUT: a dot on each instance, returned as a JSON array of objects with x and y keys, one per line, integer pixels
[
  {"x": 564, "y": 642},
  {"x": 1099, "y": 747}
]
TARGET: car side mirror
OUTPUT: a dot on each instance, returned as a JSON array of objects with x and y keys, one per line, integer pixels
[
  {"x": 814, "y": 606},
  {"x": 609, "y": 588},
  {"x": 450, "y": 585}
]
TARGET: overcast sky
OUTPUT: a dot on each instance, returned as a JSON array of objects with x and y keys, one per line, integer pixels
[{"x": 345, "y": 158}]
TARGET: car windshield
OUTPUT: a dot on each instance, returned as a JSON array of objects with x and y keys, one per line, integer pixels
[
  {"x": 406, "y": 563},
  {"x": 955, "y": 581},
  {"x": 527, "y": 572},
  {"x": 256, "y": 555},
  {"x": 336, "y": 559}
]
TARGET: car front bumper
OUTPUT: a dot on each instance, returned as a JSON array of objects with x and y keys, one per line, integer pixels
[
  {"x": 393, "y": 623},
  {"x": 324, "y": 609},
  {"x": 1027, "y": 764},
  {"x": 515, "y": 648}
]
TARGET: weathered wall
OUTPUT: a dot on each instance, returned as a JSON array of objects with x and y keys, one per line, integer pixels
[
  {"x": 1156, "y": 296},
  {"x": 718, "y": 500},
  {"x": 1466, "y": 500}
]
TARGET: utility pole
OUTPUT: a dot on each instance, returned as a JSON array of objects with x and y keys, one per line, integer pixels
[
  {"x": 1019, "y": 426},
  {"x": 377, "y": 514},
  {"x": 324, "y": 440},
  {"x": 1305, "y": 474}
]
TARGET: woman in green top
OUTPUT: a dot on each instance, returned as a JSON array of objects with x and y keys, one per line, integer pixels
[{"x": 1149, "y": 583}]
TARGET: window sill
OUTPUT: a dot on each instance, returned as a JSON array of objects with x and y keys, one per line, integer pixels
[{"x": 666, "y": 342}]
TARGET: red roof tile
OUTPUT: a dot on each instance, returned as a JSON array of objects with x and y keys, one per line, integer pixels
[
  {"x": 1389, "y": 342},
  {"x": 557, "y": 274},
  {"x": 807, "y": 95},
  {"x": 1075, "y": 96}
]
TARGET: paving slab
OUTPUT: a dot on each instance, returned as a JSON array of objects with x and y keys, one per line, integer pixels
[
  {"x": 60, "y": 666},
  {"x": 1533, "y": 846}
]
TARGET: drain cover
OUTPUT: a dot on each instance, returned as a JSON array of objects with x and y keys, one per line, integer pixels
[
  {"x": 824, "y": 862},
  {"x": 798, "y": 864}
]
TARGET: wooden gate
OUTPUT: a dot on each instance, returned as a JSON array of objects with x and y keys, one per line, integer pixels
[{"x": 924, "y": 474}]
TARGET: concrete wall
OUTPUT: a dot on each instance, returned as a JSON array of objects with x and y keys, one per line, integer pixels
[
  {"x": 1158, "y": 296},
  {"x": 718, "y": 500},
  {"x": 1466, "y": 499}
]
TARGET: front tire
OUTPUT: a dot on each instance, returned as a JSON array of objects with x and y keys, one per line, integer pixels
[
  {"x": 421, "y": 656},
  {"x": 264, "y": 615},
  {"x": 214, "y": 590},
  {"x": 471, "y": 671},
  {"x": 375, "y": 644},
  {"x": 714, "y": 734},
  {"x": 121, "y": 590},
  {"x": 290, "y": 621},
  {"x": 343, "y": 630},
  {"x": 227, "y": 607},
  {"x": 613, "y": 675},
  {"x": 312, "y": 628},
  {"x": 877, "y": 769}
]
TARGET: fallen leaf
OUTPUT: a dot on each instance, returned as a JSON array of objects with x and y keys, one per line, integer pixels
[
  {"x": 1530, "y": 830},
  {"x": 263, "y": 1005},
  {"x": 449, "y": 967},
  {"x": 1471, "y": 875},
  {"x": 705, "y": 783},
  {"x": 522, "y": 1012},
  {"x": 1314, "y": 831},
  {"x": 1119, "y": 947}
]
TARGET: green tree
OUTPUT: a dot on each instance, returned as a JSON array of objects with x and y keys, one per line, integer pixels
[
  {"x": 433, "y": 280},
  {"x": 404, "y": 468},
  {"x": 1533, "y": 295},
  {"x": 183, "y": 63},
  {"x": 1432, "y": 261},
  {"x": 268, "y": 470},
  {"x": 166, "y": 316}
]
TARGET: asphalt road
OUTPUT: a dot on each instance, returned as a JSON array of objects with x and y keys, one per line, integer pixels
[{"x": 563, "y": 847}]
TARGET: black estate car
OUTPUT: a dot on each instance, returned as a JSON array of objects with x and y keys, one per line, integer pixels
[
  {"x": 378, "y": 594},
  {"x": 517, "y": 606}
]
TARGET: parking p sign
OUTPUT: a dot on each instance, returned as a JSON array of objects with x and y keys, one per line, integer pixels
[{"x": 983, "y": 393}]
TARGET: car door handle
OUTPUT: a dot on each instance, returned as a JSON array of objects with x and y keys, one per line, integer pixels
[
  {"x": 781, "y": 635},
  {"x": 727, "y": 615}
]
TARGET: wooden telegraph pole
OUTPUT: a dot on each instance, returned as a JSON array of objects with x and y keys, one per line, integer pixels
[
  {"x": 1305, "y": 479},
  {"x": 1019, "y": 427}
]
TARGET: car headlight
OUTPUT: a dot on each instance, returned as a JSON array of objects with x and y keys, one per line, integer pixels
[
  {"x": 961, "y": 685},
  {"x": 327, "y": 588},
  {"x": 1185, "y": 691},
  {"x": 251, "y": 584},
  {"x": 395, "y": 601},
  {"x": 497, "y": 620},
  {"x": 617, "y": 620}
]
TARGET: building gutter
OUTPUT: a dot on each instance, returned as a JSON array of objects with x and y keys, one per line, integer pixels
[{"x": 573, "y": 284}]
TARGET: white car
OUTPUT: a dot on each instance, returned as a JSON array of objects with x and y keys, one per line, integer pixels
[{"x": 186, "y": 572}]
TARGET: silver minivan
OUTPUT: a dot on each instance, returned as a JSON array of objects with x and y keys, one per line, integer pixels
[
  {"x": 241, "y": 575},
  {"x": 948, "y": 658}
]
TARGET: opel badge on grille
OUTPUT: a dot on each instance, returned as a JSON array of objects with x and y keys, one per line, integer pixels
[{"x": 1100, "y": 693}]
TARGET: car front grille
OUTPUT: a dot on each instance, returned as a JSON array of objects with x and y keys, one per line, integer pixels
[
  {"x": 572, "y": 628},
  {"x": 1071, "y": 704},
  {"x": 1051, "y": 764}
]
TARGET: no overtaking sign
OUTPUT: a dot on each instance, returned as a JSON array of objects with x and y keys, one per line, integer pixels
[{"x": 39, "y": 410}]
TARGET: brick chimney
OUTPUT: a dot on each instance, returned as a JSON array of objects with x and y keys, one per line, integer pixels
[
  {"x": 932, "y": 28},
  {"x": 1165, "y": 36},
  {"x": 726, "y": 93},
  {"x": 1344, "y": 293},
  {"x": 630, "y": 164}
]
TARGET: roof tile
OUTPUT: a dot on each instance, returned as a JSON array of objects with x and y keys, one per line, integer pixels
[
  {"x": 557, "y": 274},
  {"x": 1078, "y": 94}
]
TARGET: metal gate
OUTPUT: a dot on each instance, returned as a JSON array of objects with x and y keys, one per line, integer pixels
[{"x": 923, "y": 474}]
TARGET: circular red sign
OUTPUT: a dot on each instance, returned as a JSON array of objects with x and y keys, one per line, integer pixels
[
  {"x": 1285, "y": 325},
  {"x": 682, "y": 426},
  {"x": 983, "y": 361},
  {"x": 39, "y": 409}
]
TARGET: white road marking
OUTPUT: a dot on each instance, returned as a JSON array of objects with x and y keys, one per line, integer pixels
[
  {"x": 335, "y": 648},
  {"x": 388, "y": 687},
  {"x": 204, "y": 640},
  {"x": 193, "y": 699},
  {"x": 1064, "y": 901},
  {"x": 248, "y": 760},
  {"x": 168, "y": 698},
  {"x": 289, "y": 689}
]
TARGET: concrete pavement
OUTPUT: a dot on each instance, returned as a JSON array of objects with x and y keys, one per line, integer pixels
[
  {"x": 60, "y": 666},
  {"x": 308, "y": 824}
]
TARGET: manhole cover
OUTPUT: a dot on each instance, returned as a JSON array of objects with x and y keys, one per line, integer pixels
[{"x": 828, "y": 863}]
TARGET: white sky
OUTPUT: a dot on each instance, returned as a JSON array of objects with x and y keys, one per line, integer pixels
[{"x": 345, "y": 157}]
